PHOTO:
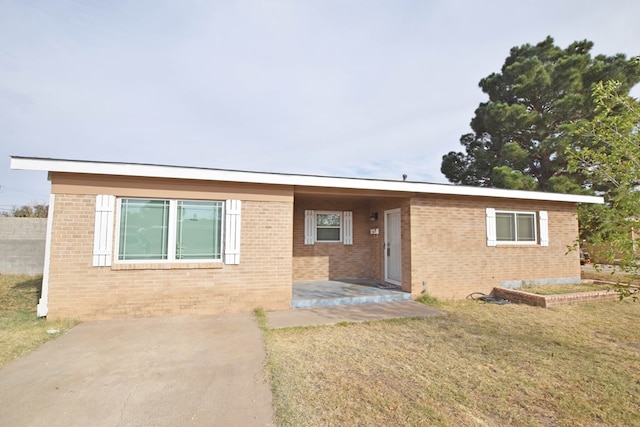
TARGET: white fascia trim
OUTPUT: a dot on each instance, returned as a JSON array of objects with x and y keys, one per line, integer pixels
[
  {"x": 42, "y": 309},
  {"x": 203, "y": 174}
]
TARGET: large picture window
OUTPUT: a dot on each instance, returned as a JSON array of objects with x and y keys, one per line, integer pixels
[{"x": 170, "y": 230}]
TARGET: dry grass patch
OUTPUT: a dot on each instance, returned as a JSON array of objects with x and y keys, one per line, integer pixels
[
  {"x": 20, "y": 331},
  {"x": 566, "y": 289},
  {"x": 626, "y": 284},
  {"x": 481, "y": 365},
  {"x": 608, "y": 273}
]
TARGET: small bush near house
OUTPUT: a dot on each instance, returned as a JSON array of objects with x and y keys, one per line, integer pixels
[
  {"x": 20, "y": 330},
  {"x": 428, "y": 300},
  {"x": 480, "y": 365}
]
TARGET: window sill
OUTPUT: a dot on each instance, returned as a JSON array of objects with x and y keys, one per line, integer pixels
[{"x": 168, "y": 266}]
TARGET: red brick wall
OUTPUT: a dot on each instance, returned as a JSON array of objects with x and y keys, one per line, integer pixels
[
  {"x": 365, "y": 258},
  {"x": 79, "y": 290},
  {"x": 325, "y": 260}
]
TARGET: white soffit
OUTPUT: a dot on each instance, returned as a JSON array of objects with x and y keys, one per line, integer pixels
[{"x": 179, "y": 172}]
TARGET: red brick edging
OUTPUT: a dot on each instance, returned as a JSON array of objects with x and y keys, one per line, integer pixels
[{"x": 546, "y": 301}]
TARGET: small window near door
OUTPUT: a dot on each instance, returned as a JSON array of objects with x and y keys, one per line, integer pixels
[{"x": 328, "y": 227}]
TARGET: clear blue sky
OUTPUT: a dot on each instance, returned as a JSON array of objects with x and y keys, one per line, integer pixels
[{"x": 348, "y": 88}]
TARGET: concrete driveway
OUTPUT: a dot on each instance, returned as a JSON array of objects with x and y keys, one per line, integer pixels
[{"x": 191, "y": 371}]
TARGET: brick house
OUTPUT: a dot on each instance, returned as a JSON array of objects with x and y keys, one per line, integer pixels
[{"x": 127, "y": 240}]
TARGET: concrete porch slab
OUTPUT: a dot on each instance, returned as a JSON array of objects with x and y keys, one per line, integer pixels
[{"x": 324, "y": 293}]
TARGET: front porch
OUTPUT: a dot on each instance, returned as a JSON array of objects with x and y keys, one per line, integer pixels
[
  {"x": 322, "y": 293},
  {"x": 363, "y": 243}
]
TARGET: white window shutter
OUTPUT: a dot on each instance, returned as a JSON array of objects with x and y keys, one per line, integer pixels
[
  {"x": 347, "y": 226},
  {"x": 491, "y": 227},
  {"x": 103, "y": 230},
  {"x": 232, "y": 232},
  {"x": 309, "y": 227},
  {"x": 544, "y": 228}
]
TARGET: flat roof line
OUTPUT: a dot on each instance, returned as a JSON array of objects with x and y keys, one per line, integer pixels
[{"x": 230, "y": 175}]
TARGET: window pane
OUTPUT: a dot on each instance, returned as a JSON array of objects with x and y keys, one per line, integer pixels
[
  {"x": 505, "y": 227},
  {"x": 143, "y": 229},
  {"x": 328, "y": 234},
  {"x": 198, "y": 230},
  {"x": 329, "y": 220},
  {"x": 328, "y": 227},
  {"x": 526, "y": 227}
]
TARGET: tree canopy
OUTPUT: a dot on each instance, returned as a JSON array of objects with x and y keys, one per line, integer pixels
[
  {"x": 519, "y": 139},
  {"x": 609, "y": 157},
  {"x": 34, "y": 210}
]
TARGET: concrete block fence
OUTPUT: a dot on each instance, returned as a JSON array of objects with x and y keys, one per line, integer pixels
[{"x": 22, "y": 243}]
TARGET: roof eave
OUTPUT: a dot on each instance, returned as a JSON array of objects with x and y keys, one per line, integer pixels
[{"x": 178, "y": 172}]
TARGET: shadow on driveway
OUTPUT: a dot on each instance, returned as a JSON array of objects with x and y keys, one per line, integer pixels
[{"x": 143, "y": 372}]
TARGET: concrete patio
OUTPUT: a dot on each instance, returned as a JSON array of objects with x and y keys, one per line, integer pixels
[
  {"x": 331, "y": 315},
  {"x": 328, "y": 302}
]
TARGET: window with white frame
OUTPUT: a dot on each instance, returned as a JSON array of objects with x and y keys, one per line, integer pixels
[
  {"x": 165, "y": 230},
  {"x": 328, "y": 226},
  {"x": 170, "y": 230},
  {"x": 517, "y": 227}
]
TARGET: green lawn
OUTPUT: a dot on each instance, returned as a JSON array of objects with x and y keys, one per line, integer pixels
[
  {"x": 20, "y": 331},
  {"x": 481, "y": 365}
]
